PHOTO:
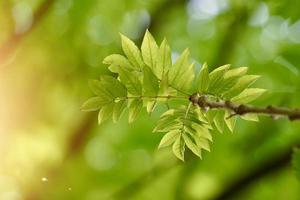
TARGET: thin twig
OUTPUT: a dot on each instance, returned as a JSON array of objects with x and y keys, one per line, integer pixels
[{"x": 242, "y": 109}]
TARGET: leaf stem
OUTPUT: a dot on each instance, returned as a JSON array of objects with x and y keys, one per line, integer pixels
[
  {"x": 156, "y": 97},
  {"x": 242, "y": 109}
]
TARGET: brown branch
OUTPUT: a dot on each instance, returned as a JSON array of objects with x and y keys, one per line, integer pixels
[{"x": 241, "y": 109}]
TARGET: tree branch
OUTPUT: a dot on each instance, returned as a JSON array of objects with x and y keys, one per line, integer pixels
[{"x": 242, "y": 109}]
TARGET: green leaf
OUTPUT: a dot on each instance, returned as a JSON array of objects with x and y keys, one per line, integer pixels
[
  {"x": 132, "y": 52},
  {"x": 105, "y": 113},
  {"x": 118, "y": 109},
  {"x": 229, "y": 80},
  {"x": 167, "y": 125},
  {"x": 229, "y": 121},
  {"x": 169, "y": 138},
  {"x": 179, "y": 148},
  {"x": 151, "y": 106},
  {"x": 113, "y": 86},
  {"x": 164, "y": 60},
  {"x": 250, "y": 117},
  {"x": 181, "y": 74},
  {"x": 219, "y": 121},
  {"x": 117, "y": 61},
  {"x": 93, "y": 104},
  {"x": 236, "y": 72},
  {"x": 149, "y": 50},
  {"x": 98, "y": 89},
  {"x": 203, "y": 79},
  {"x": 191, "y": 145},
  {"x": 203, "y": 143},
  {"x": 131, "y": 81},
  {"x": 150, "y": 82},
  {"x": 187, "y": 122},
  {"x": 216, "y": 77},
  {"x": 202, "y": 132},
  {"x": 134, "y": 109},
  {"x": 248, "y": 95},
  {"x": 243, "y": 82}
]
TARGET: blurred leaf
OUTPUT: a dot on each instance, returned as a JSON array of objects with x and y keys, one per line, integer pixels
[
  {"x": 93, "y": 104},
  {"x": 105, "y": 113}
]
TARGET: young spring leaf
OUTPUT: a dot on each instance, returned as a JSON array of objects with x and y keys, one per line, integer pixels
[
  {"x": 169, "y": 138},
  {"x": 117, "y": 61},
  {"x": 181, "y": 74},
  {"x": 250, "y": 117},
  {"x": 134, "y": 109},
  {"x": 105, "y": 113},
  {"x": 131, "y": 81},
  {"x": 203, "y": 79},
  {"x": 229, "y": 121},
  {"x": 113, "y": 86},
  {"x": 93, "y": 104},
  {"x": 118, "y": 109},
  {"x": 216, "y": 77},
  {"x": 164, "y": 60},
  {"x": 149, "y": 50},
  {"x": 229, "y": 80},
  {"x": 147, "y": 77},
  {"x": 248, "y": 95},
  {"x": 189, "y": 125},
  {"x": 150, "y": 83},
  {"x": 132, "y": 52},
  {"x": 192, "y": 145},
  {"x": 243, "y": 82},
  {"x": 219, "y": 121},
  {"x": 179, "y": 148}
]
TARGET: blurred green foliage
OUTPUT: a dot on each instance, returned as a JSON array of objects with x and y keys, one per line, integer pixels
[{"x": 49, "y": 149}]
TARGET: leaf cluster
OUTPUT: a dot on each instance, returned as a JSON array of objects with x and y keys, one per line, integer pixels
[{"x": 147, "y": 76}]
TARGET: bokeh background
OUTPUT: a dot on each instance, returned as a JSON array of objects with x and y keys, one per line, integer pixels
[{"x": 49, "y": 149}]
